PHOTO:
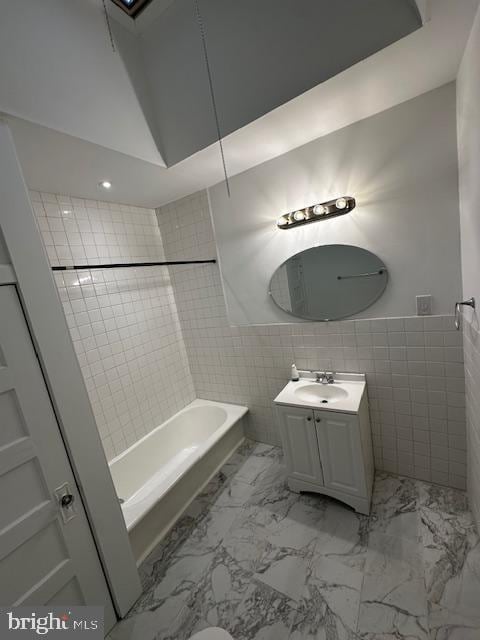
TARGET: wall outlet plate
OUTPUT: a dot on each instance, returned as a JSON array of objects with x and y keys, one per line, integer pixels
[{"x": 424, "y": 305}]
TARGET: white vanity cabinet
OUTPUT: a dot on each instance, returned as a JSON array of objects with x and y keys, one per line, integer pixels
[
  {"x": 339, "y": 444},
  {"x": 300, "y": 444},
  {"x": 329, "y": 452}
]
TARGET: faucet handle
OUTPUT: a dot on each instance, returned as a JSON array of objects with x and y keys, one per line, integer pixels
[{"x": 329, "y": 377}]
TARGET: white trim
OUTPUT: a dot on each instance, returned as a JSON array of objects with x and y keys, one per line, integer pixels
[
  {"x": 7, "y": 274},
  {"x": 424, "y": 10},
  {"x": 47, "y": 323}
]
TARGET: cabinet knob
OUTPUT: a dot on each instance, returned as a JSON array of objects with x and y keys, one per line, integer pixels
[
  {"x": 318, "y": 419},
  {"x": 309, "y": 419}
]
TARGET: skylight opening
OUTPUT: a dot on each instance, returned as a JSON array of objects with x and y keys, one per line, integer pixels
[{"x": 132, "y": 7}]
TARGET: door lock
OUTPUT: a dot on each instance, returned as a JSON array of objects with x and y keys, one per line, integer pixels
[{"x": 66, "y": 502}]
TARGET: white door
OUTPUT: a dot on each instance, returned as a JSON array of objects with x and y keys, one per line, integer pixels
[
  {"x": 341, "y": 452},
  {"x": 300, "y": 444},
  {"x": 47, "y": 553}
]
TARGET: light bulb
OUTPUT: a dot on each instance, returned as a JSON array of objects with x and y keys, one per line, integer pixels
[
  {"x": 341, "y": 203},
  {"x": 105, "y": 184},
  {"x": 319, "y": 210},
  {"x": 299, "y": 215},
  {"x": 282, "y": 220}
]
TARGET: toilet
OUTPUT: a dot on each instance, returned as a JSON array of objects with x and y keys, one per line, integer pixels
[{"x": 212, "y": 633}]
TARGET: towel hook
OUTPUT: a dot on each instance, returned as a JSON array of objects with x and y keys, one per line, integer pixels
[{"x": 466, "y": 303}]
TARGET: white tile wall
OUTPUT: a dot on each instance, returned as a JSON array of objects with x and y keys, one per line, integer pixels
[
  {"x": 472, "y": 382},
  {"x": 414, "y": 365},
  {"x": 123, "y": 322}
]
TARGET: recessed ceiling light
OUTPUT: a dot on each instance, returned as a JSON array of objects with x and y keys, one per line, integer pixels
[{"x": 105, "y": 184}]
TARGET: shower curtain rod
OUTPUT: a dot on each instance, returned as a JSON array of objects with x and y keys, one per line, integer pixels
[{"x": 120, "y": 265}]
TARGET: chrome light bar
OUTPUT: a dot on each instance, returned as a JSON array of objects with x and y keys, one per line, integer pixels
[{"x": 317, "y": 212}]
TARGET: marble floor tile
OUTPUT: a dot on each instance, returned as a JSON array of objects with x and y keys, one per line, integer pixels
[
  {"x": 213, "y": 488},
  {"x": 256, "y": 465},
  {"x": 263, "y": 614},
  {"x": 393, "y": 595},
  {"x": 264, "y": 563},
  {"x": 186, "y": 624},
  {"x": 342, "y": 535},
  {"x": 285, "y": 572},
  {"x": 451, "y": 555},
  {"x": 235, "y": 494},
  {"x": 395, "y": 507},
  {"x": 215, "y": 600},
  {"x": 330, "y": 604},
  {"x": 297, "y": 529},
  {"x": 246, "y": 544},
  {"x": 148, "y": 625},
  {"x": 179, "y": 581},
  {"x": 378, "y": 620},
  {"x": 448, "y": 625},
  {"x": 444, "y": 500},
  {"x": 151, "y": 568}
]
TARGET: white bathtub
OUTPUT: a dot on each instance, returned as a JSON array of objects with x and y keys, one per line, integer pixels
[{"x": 158, "y": 476}]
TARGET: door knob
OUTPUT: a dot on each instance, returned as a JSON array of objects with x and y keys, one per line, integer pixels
[
  {"x": 67, "y": 500},
  {"x": 318, "y": 419},
  {"x": 309, "y": 419}
]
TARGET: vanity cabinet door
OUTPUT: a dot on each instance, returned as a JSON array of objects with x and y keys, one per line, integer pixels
[
  {"x": 300, "y": 444},
  {"x": 341, "y": 452}
]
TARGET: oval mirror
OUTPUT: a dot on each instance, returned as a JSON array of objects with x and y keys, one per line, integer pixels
[{"x": 329, "y": 282}]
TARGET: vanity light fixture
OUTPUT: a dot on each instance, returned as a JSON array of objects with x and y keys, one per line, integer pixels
[{"x": 316, "y": 212}]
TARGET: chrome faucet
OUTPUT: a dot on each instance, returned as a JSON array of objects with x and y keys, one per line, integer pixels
[{"x": 324, "y": 377}]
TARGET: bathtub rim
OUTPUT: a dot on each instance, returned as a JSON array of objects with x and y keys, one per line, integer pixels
[{"x": 234, "y": 412}]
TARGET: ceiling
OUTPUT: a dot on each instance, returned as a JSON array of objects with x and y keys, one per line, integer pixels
[
  {"x": 260, "y": 54},
  {"x": 57, "y": 69},
  {"x": 64, "y": 163}
]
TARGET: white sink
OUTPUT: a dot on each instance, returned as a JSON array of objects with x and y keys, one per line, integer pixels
[
  {"x": 344, "y": 395},
  {"x": 323, "y": 393}
]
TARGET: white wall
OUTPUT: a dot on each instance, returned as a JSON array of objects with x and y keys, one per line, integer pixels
[
  {"x": 468, "y": 114},
  {"x": 400, "y": 165}
]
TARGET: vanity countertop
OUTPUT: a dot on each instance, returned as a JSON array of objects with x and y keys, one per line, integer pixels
[{"x": 343, "y": 395}]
